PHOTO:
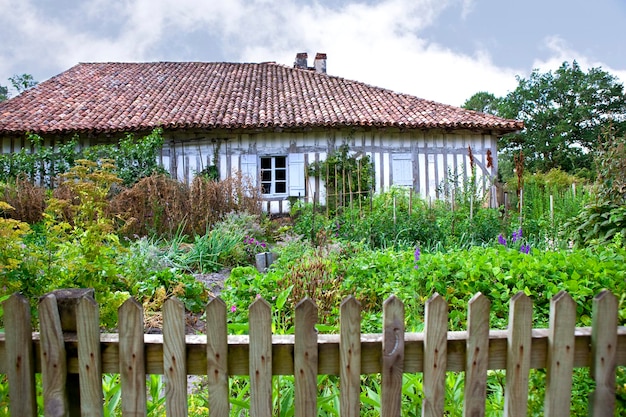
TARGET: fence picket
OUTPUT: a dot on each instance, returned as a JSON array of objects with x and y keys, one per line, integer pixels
[
  {"x": 306, "y": 355},
  {"x": 260, "y": 318},
  {"x": 217, "y": 358},
  {"x": 305, "y": 359},
  {"x": 603, "y": 348},
  {"x": 393, "y": 357},
  {"x": 89, "y": 359},
  {"x": 435, "y": 356},
  {"x": 20, "y": 360},
  {"x": 350, "y": 357},
  {"x": 53, "y": 360},
  {"x": 477, "y": 357},
  {"x": 132, "y": 359},
  {"x": 518, "y": 356},
  {"x": 174, "y": 358},
  {"x": 560, "y": 361}
]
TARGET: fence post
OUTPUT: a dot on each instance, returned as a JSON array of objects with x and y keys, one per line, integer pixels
[
  {"x": 20, "y": 359},
  {"x": 67, "y": 303},
  {"x": 603, "y": 354}
]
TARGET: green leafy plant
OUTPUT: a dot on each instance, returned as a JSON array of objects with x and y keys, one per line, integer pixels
[{"x": 347, "y": 176}]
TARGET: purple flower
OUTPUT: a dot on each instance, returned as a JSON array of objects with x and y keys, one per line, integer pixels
[
  {"x": 501, "y": 239},
  {"x": 525, "y": 249},
  {"x": 263, "y": 245},
  {"x": 516, "y": 236},
  {"x": 233, "y": 308},
  {"x": 417, "y": 256}
]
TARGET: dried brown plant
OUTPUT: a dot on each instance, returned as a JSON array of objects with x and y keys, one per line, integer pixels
[{"x": 28, "y": 200}]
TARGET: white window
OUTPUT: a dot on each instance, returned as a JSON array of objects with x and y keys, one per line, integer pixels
[{"x": 273, "y": 175}]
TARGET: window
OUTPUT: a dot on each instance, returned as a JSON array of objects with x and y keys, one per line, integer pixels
[{"x": 274, "y": 174}]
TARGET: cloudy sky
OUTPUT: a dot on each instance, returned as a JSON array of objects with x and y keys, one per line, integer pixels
[{"x": 443, "y": 50}]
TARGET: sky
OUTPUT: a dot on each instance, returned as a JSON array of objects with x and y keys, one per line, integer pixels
[{"x": 441, "y": 50}]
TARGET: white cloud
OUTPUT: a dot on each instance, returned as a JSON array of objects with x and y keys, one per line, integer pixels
[
  {"x": 383, "y": 44},
  {"x": 562, "y": 51}
]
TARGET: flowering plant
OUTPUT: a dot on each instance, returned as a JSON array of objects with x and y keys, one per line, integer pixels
[{"x": 516, "y": 238}]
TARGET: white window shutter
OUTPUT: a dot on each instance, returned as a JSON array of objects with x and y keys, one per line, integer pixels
[
  {"x": 296, "y": 174},
  {"x": 402, "y": 169},
  {"x": 249, "y": 167}
]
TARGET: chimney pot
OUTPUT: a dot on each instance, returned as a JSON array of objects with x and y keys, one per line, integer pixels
[
  {"x": 301, "y": 60},
  {"x": 320, "y": 63}
]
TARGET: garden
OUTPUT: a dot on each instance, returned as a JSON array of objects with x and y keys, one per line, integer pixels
[{"x": 110, "y": 219}]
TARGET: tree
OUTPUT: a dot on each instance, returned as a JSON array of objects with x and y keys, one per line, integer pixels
[
  {"x": 483, "y": 102},
  {"x": 564, "y": 114},
  {"x": 4, "y": 93},
  {"x": 23, "y": 82}
]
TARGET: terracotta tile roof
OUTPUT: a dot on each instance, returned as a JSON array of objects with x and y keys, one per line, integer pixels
[{"x": 113, "y": 97}]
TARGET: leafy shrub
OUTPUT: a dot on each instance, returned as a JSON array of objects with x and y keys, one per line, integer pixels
[
  {"x": 12, "y": 233},
  {"x": 605, "y": 216},
  {"x": 42, "y": 165},
  {"x": 134, "y": 158}
]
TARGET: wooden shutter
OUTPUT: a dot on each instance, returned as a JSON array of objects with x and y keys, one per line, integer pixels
[
  {"x": 402, "y": 169},
  {"x": 295, "y": 174},
  {"x": 249, "y": 167}
]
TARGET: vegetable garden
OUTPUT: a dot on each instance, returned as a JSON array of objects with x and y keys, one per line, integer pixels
[{"x": 119, "y": 227}]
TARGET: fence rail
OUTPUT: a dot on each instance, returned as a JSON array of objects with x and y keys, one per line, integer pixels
[{"x": 71, "y": 354}]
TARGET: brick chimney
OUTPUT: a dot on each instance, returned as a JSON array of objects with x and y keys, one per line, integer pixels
[
  {"x": 301, "y": 60},
  {"x": 320, "y": 63}
]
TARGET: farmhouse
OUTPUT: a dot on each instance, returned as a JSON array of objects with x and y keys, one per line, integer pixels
[{"x": 266, "y": 120}]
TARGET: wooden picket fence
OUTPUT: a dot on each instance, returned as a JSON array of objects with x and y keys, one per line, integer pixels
[{"x": 71, "y": 354}]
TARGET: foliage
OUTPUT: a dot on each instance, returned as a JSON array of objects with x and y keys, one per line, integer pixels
[
  {"x": 23, "y": 82},
  {"x": 483, "y": 102},
  {"x": 134, "y": 159},
  {"x": 399, "y": 219},
  {"x": 499, "y": 271},
  {"x": 42, "y": 163},
  {"x": 549, "y": 201},
  {"x": 12, "y": 233},
  {"x": 4, "y": 93},
  {"x": 564, "y": 113},
  {"x": 345, "y": 176},
  {"x": 604, "y": 217}
]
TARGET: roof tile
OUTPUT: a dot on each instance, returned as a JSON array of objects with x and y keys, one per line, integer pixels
[{"x": 107, "y": 97}]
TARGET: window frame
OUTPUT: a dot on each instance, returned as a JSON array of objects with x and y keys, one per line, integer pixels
[{"x": 273, "y": 170}]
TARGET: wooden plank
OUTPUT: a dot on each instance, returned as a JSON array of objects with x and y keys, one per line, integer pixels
[
  {"x": 350, "y": 357},
  {"x": 174, "y": 358},
  {"x": 305, "y": 359},
  {"x": 518, "y": 356},
  {"x": 19, "y": 358},
  {"x": 393, "y": 357},
  {"x": 603, "y": 348},
  {"x": 260, "y": 358},
  {"x": 89, "y": 359},
  {"x": 477, "y": 356},
  {"x": 328, "y": 363},
  {"x": 435, "y": 356},
  {"x": 217, "y": 358},
  {"x": 54, "y": 370},
  {"x": 132, "y": 359},
  {"x": 560, "y": 356}
]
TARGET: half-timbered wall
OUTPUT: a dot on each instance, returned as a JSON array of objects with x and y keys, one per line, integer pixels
[{"x": 422, "y": 160}]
